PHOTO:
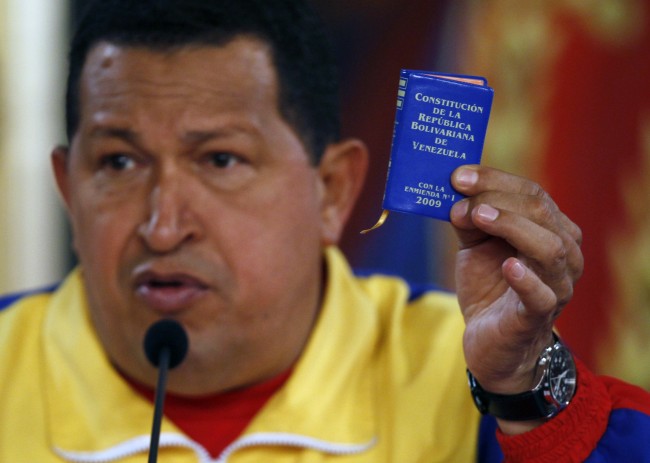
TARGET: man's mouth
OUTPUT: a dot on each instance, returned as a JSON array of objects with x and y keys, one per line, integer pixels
[
  {"x": 165, "y": 284},
  {"x": 169, "y": 293}
]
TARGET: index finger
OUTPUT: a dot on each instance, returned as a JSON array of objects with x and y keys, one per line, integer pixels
[
  {"x": 488, "y": 185},
  {"x": 473, "y": 179}
]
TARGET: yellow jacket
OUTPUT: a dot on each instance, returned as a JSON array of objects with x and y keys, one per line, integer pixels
[{"x": 381, "y": 380}]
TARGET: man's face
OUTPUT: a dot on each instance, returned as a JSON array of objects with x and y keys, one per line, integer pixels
[{"x": 191, "y": 198}]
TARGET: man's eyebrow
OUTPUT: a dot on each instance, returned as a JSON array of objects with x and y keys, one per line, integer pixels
[
  {"x": 192, "y": 137},
  {"x": 115, "y": 132},
  {"x": 196, "y": 137}
]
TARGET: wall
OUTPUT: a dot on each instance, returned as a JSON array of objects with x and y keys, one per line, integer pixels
[{"x": 31, "y": 70}]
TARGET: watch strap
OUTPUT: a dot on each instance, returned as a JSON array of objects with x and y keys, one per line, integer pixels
[
  {"x": 535, "y": 404},
  {"x": 529, "y": 405}
]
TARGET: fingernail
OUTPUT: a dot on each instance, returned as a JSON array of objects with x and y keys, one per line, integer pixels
[
  {"x": 518, "y": 271},
  {"x": 466, "y": 177},
  {"x": 459, "y": 210},
  {"x": 487, "y": 213}
]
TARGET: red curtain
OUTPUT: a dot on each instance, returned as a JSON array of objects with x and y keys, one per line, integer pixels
[{"x": 571, "y": 110}]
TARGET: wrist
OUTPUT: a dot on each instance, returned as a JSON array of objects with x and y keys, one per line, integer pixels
[
  {"x": 511, "y": 372},
  {"x": 551, "y": 392}
]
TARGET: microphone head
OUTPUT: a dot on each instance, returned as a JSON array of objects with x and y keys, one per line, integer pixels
[{"x": 166, "y": 334}]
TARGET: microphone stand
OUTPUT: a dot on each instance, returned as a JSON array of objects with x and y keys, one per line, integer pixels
[
  {"x": 159, "y": 404},
  {"x": 165, "y": 345}
]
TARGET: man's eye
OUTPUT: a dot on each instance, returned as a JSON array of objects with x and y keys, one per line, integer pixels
[
  {"x": 117, "y": 162},
  {"x": 223, "y": 160}
]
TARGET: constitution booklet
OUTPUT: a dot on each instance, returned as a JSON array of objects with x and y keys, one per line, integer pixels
[{"x": 440, "y": 124}]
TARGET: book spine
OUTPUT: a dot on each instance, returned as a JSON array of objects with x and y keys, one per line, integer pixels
[{"x": 401, "y": 97}]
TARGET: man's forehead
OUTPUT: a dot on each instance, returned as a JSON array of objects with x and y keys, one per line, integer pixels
[
  {"x": 241, "y": 69},
  {"x": 192, "y": 92},
  {"x": 255, "y": 53}
]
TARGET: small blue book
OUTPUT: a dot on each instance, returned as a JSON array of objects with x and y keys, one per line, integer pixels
[{"x": 440, "y": 124}]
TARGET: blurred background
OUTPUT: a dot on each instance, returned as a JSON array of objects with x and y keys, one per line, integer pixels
[{"x": 571, "y": 110}]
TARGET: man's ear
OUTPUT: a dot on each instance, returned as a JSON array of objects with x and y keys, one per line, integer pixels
[
  {"x": 342, "y": 170},
  {"x": 59, "y": 159}
]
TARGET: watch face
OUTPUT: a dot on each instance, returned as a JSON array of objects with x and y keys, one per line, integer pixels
[{"x": 561, "y": 376}]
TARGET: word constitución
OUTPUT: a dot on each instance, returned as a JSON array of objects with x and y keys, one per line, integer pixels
[{"x": 472, "y": 108}]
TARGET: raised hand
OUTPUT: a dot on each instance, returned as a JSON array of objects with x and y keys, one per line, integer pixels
[{"x": 518, "y": 260}]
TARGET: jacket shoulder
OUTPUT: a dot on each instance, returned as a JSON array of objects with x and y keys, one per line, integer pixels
[{"x": 10, "y": 299}]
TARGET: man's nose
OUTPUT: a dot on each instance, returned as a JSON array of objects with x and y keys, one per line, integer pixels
[{"x": 171, "y": 220}]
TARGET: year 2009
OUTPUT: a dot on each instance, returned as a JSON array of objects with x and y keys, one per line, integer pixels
[{"x": 428, "y": 202}]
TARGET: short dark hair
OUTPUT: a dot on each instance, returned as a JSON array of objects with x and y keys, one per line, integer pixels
[{"x": 299, "y": 46}]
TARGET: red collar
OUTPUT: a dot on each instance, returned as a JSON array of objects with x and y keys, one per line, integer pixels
[{"x": 215, "y": 421}]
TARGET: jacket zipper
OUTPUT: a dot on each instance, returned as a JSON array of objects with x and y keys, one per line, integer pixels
[
  {"x": 140, "y": 444},
  {"x": 133, "y": 447},
  {"x": 294, "y": 440}
]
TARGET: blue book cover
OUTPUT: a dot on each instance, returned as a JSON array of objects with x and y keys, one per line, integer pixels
[{"x": 440, "y": 124}]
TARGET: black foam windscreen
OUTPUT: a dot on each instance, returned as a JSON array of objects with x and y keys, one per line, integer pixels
[{"x": 168, "y": 334}]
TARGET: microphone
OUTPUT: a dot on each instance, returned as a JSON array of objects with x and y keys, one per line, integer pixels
[{"x": 165, "y": 345}]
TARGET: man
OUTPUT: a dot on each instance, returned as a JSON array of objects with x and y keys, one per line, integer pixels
[{"x": 206, "y": 183}]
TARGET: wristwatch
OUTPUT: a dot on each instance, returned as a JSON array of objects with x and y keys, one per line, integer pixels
[{"x": 553, "y": 392}]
